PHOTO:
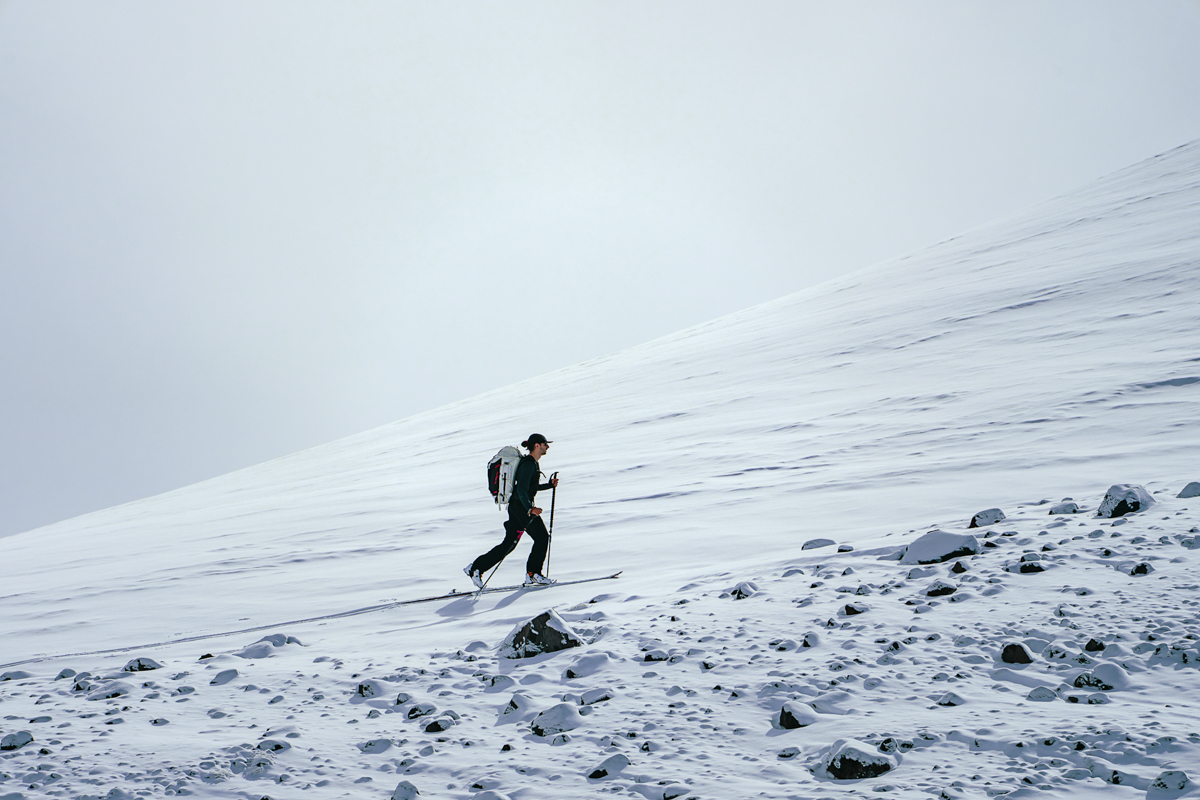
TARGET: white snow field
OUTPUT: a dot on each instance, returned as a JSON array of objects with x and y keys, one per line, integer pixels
[{"x": 1046, "y": 356}]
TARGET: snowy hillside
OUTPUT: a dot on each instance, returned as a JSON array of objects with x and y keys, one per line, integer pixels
[{"x": 1045, "y": 356}]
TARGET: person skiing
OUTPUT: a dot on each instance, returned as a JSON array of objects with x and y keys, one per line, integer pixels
[{"x": 523, "y": 517}]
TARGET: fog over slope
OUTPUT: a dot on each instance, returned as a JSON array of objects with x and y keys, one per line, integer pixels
[{"x": 1049, "y": 354}]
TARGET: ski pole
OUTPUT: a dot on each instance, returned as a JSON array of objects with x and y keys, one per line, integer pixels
[{"x": 550, "y": 533}]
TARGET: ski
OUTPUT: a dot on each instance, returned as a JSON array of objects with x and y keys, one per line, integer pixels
[{"x": 491, "y": 589}]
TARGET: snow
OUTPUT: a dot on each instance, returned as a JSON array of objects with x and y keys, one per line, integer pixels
[{"x": 1048, "y": 355}]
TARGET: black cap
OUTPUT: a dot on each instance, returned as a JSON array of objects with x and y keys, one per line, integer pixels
[{"x": 534, "y": 438}]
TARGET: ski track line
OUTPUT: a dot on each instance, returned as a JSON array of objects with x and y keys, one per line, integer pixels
[{"x": 340, "y": 615}]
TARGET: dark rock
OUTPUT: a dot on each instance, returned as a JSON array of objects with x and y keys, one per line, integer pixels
[
  {"x": 1015, "y": 654},
  {"x": 141, "y": 665},
  {"x": 851, "y": 609},
  {"x": 959, "y": 567},
  {"x": 795, "y": 714},
  {"x": 545, "y": 633},
  {"x": 1122, "y": 499},
  {"x": 940, "y": 588},
  {"x": 1030, "y": 567},
  {"x": 1191, "y": 490},
  {"x": 1141, "y": 569},
  {"x": 15, "y": 741},
  {"x": 988, "y": 517},
  {"x": 845, "y": 548},
  {"x": 1094, "y": 646},
  {"x": 440, "y": 724},
  {"x": 849, "y": 760}
]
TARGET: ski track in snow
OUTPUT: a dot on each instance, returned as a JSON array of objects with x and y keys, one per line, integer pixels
[{"x": 1053, "y": 353}]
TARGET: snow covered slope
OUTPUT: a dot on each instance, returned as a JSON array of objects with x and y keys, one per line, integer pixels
[{"x": 1047, "y": 355}]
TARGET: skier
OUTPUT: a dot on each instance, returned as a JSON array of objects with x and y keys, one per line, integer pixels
[{"x": 523, "y": 517}]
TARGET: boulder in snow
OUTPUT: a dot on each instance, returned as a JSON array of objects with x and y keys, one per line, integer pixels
[
  {"x": 1064, "y": 508},
  {"x": 141, "y": 665},
  {"x": 812, "y": 544},
  {"x": 609, "y": 767},
  {"x": 1191, "y": 490},
  {"x": 15, "y": 675},
  {"x": 586, "y": 665},
  {"x": 265, "y": 647},
  {"x": 938, "y": 546},
  {"x": 1015, "y": 654},
  {"x": 15, "y": 741},
  {"x": 940, "y": 588},
  {"x": 850, "y": 760},
  {"x": 545, "y": 633},
  {"x": 741, "y": 591},
  {"x": 1172, "y": 781},
  {"x": 987, "y": 517},
  {"x": 795, "y": 714},
  {"x": 223, "y": 677},
  {"x": 405, "y": 791},
  {"x": 556, "y": 719},
  {"x": 1122, "y": 499}
]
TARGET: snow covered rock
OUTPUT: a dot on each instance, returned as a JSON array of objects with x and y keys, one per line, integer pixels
[
  {"x": 141, "y": 665},
  {"x": 938, "y": 546},
  {"x": 1122, "y": 499},
  {"x": 586, "y": 665},
  {"x": 850, "y": 760},
  {"x": 741, "y": 591},
  {"x": 15, "y": 741},
  {"x": 1106, "y": 678},
  {"x": 556, "y": 719},
  {"x": 795, "y": 714},
  {"x": 109, "y": 690},
  {"x": 987, "y": 517},
  {"x": 15, "y": 675},
  {"x": 609, "y": 767},
  {"x": 812, "y": 544},
  {"x": 405, "y": 791},
  {"x": 223, "y": 677},
  {"x": 1064, "y": 508},
  {"x": 940, "y": 588},
  {"x": 545, "y": 633},
  {"x": 265, "y": 647},
  {"x": 1172, "y": 781},
  {"x": 1191, "y": 490},
  {"x": 1041, "y": 694}
]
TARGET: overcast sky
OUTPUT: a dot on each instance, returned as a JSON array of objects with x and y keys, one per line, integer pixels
[{"x": 230, "y": 231}]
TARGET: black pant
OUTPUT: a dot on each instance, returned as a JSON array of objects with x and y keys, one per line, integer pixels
[{"x": 518, "y": 520}]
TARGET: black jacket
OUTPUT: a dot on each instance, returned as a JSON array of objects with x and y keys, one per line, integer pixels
[{"x": 525, "y": 484}]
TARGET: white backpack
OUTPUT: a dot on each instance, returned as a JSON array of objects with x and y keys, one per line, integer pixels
[{"x": 502, "y": 473}]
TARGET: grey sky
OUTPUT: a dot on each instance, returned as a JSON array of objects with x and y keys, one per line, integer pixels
[{"x": 229, "y": 231}]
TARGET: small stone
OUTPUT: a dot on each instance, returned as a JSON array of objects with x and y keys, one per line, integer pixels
[
  {"x": 959, "y": 567},
  {"x": 1094, "y": 646},
  {"x": 1141, "y": 569}
]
